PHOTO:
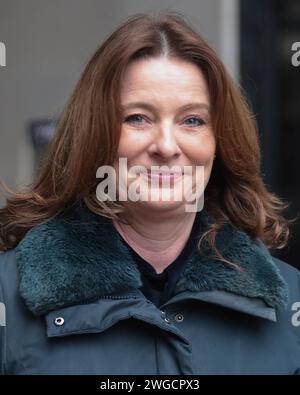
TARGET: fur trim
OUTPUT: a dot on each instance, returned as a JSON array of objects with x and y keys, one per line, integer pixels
[{"x": 78, "y": 256}]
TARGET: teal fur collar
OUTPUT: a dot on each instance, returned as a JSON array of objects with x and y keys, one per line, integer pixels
[{"x": 78, "y": 256}]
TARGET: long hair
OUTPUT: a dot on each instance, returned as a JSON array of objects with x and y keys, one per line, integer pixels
[{"x": 89, "y": 128}]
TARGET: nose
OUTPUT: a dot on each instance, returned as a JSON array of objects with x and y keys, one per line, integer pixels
[{"x": 164, "y": 143}]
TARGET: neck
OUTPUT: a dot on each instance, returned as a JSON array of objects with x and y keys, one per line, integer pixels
[{"x": 157, "y": 237}]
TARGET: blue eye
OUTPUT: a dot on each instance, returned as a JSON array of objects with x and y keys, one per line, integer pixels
[
  {"x": 135, "y": 118},
  {"x": 138, "y": 119},
  {"x": 199, "y": 121}
]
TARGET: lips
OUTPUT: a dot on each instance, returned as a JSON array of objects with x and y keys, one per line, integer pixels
[
  {"x": 163, "y": 175},
  {"x": 160, "y": 176}
]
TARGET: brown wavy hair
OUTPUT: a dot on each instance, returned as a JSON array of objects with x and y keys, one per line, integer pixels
[{"x": 88, "y": 134}]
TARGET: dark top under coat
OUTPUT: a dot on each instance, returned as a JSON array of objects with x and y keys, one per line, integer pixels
[{"x": 159, "y": 287}]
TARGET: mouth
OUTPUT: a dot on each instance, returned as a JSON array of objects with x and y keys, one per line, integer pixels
[{"x": 168, "y": 177}]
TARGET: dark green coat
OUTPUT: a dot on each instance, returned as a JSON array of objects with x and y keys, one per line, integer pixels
[{"x": 70, "y": 303}]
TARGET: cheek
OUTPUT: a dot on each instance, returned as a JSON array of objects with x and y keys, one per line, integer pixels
[
  {"x": 201, "y": 151},
  {"x": 131, "y": 144}
]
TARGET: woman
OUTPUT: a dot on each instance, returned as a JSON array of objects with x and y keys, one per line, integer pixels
[{"x": 96, "y": 285}]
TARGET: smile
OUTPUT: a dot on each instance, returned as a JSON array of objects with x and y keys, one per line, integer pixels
[{"x": 160, "y": 176}]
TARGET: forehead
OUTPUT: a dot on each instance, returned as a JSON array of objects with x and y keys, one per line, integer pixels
[{"x": 162, "y": 78}]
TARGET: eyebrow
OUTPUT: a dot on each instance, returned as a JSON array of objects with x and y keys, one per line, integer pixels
[{"x": 150, "y": 107}]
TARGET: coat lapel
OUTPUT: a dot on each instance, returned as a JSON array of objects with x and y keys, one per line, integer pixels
[{"x": 78, "y": 256}]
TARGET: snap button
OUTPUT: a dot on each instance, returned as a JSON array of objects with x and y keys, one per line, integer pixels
[
  {"x": 167, "y": 320},
  {"x": 59, "y": 321},
  {"x": 179, "y": 317},
  {"x": 163, "y": 313}
]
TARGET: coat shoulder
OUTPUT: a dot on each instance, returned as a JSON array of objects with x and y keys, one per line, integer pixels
[
  {"x": 7, "y": 261},
  {"x": 8, "y": 273},
  {"x": 291, "y": 275}
]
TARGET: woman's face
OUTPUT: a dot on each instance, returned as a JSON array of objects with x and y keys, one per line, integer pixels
[{"x": 166, "y": 121}]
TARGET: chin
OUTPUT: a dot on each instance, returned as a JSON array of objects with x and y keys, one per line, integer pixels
[{"x": 161, "y": 206}]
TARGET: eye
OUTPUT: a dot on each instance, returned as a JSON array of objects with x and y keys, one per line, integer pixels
[
  {"x": 134, "y": 119},
  {"x": 195, "y": 121}
]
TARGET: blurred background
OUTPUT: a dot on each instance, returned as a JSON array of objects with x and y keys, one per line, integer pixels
[{"x": 48, "y": 44}]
